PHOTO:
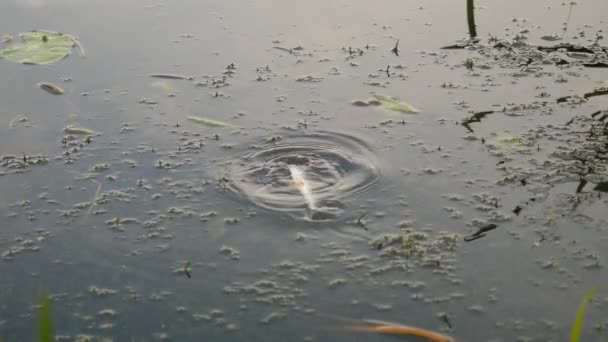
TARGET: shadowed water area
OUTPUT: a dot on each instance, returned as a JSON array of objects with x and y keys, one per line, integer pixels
[{"x": 259, "y": 170}]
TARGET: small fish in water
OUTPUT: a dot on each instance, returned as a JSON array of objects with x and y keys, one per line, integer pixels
[
  {"x": 51, "y": 88},
  {"x": 302, "y": 185}
]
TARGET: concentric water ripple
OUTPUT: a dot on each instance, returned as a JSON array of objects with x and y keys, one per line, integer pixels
[{"x": 335, "y": 166}]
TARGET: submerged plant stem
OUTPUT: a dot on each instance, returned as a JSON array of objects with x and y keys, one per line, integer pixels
[
  {"x": 94, "y": 201},
  {"x": 471, "y": 19}
]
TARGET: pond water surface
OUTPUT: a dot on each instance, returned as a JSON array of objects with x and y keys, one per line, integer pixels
[{"x": 159, "y": 228}]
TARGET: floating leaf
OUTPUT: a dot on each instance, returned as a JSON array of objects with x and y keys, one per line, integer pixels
[
  {"x": 70, "y": 129},
  {"x": 39, "y": 47},
  {"x": 505, "y": 141},
  {"x": 206, "y": 122},
  {"x": 172, "y": 76},
  {"x": 578, "y": 322},
  {"x": 51, "y": 88},
  {"x": 395, "y": 105},
  {"x": 164, "y": 85},
  {"x": 603, "y": 187},
  {"x": 45, "y": 328}
]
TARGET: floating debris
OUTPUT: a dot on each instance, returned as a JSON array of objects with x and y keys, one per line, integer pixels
[
  {"x": 338, "y": 282},
  {"x": 596, "y": 92},
  {"x": 71, "y": 129},
  {"x": 51, "y": 88},
  {"x": 147, "y": 100},
  {"x": 187, "y": 269},
  {"x": 230, "y": 252},
  {"x": 395, "y": 50},
  {"x": 172, "y": 76},
  {"x": 207, "y": 122},
  {"x": 19, "y": 118},
  {"x": 360, "y": 103},
  {"x": 309, "y": 79},
  {"x": 101, "y": 292}
]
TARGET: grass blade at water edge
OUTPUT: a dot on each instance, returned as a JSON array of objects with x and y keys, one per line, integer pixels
[
  {"x": 578, "y": 322},
  {"x": 45, "y": 325}
]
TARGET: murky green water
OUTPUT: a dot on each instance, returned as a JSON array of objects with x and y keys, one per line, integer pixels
[{"x": 108, "y": 224}]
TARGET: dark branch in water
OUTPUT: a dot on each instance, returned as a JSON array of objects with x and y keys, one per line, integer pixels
[
  {"x": 595, "y": 65},
  {"x": 360, "y": 223},
  {"x": 517, "y": 210},
  {"x": 565, "y": 46},
  {"x": 481, "y": 232},
  {"x": 284, "y": 49},
  {"x": 395, "y": 50},
  {"x": 581, "y": 184},
  {"x": 596, "y": 92},
  {"x": 475, "y": 118}
]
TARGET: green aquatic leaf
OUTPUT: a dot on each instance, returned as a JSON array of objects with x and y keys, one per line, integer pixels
[
  {"x": 45, "y": 328},
  {"x": 164, "y": 85},
  {"x": 395, "y": 105},
  {"x": 578, "y": 322},
  {"x": 603, "y": 187},
  {"x": 39, "y": 47},
  {"x": 505, "y": 141},
  {"x": 207, "y": 122}
]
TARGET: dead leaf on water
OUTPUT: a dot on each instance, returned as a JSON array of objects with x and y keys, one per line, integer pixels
[
  {"x": 71, "y": 129},
  {"x": 207, "y": 122},
  {"x": 51, "y": 88}
]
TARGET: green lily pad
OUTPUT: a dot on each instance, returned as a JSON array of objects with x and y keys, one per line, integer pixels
[
  {"x": 395, "y": 105},
  {"x": 207, "y": 122},
  {"x": 39, "y": 47}
]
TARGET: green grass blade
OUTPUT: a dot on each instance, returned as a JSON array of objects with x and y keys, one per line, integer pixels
[
  {"x": 578, "y": 322},
  {"x": 45, "y": 332}
]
